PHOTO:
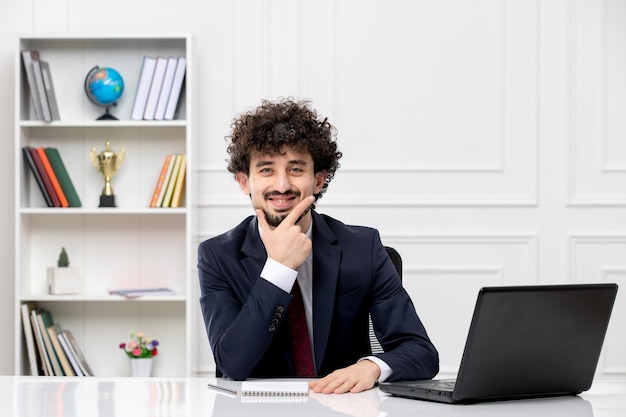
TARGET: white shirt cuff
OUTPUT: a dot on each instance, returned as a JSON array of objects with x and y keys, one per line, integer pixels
[
  {"x": 278, "y": 274},
  {"x": 385, "y": 370}
]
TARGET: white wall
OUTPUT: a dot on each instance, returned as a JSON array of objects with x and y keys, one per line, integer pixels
[{"x": 485, "y": 139}]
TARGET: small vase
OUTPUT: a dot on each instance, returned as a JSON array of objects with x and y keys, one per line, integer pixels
[{"x": 141, "y": 367}]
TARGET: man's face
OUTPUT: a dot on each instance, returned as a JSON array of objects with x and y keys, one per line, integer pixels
[{"x": 277, "y": 183}]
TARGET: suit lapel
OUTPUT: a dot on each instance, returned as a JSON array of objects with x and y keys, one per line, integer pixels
[
  {"x": 326, "y": 259},
  {"x": 254, "y": 254}
]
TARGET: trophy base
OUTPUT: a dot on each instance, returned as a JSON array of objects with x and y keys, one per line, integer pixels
[{"x": 107, "y": 201}]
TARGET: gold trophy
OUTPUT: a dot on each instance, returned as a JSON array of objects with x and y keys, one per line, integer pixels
[{"x": 108, "y": 163}]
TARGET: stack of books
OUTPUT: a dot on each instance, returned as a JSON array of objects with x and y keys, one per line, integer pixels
[
  {"x": 52, "y": 350},
  {"x": 51, "y": 176},
  {"x": 170, "y": 184},
  {"x": 159, "y": 88},
  {"x": 41, "y": 87}
]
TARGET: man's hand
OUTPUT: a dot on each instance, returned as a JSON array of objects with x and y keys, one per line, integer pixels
[
  {"x": 355, "y": 378},
  {"x": 287, "y": 243}
]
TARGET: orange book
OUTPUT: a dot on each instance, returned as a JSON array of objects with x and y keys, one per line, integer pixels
[
  {"x": 53, "y": 178},
  {"x": 160, "y": 181}
]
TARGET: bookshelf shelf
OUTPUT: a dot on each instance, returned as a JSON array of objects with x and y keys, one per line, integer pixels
[
  {"x": 130, "y": 245},
  {"x": 103, "y": 124},
  {"x": 72, "y": 211},
  {"x": 102, "y": 298}
]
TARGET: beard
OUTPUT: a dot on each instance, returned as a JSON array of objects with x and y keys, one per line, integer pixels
[{"x": 276, "y": 219}]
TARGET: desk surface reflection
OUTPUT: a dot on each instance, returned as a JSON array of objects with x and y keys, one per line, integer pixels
[{"x": 173, "y": 397}]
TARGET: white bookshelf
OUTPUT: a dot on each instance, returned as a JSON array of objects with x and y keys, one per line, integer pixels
[{"x": 130, "y": 245}]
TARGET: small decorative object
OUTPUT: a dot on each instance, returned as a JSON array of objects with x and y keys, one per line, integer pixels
[
  {"x": 63, "y": 279},
  {"x": 104, "y": 87},
  {"x": 141, "y": 351},
  {"x": 108, "y": 163}
]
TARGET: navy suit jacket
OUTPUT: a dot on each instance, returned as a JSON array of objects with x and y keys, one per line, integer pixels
[{"x": 352, "y": 276}]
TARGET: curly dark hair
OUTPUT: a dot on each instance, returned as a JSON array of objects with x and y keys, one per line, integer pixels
[{"x": 284, "y": 123}]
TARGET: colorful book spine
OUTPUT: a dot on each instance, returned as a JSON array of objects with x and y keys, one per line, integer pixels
[
  {"x": 168, "y": 175},
  {"x": 63, "y": 177},
  {"x": 160, "y": 181},
  {"x": 31, "y": 163},
  {"x": 172, "y": 182},
  {"x": 180, "y": 183},
  {"x": 53, "y": 178},
  {"x": 44, "y": 177}
]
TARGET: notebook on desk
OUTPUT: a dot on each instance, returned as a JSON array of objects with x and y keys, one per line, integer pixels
[{"x": 525, "y": 342}]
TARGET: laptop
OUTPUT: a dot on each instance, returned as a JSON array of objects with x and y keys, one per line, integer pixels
[{"x": 525, "y": 342}]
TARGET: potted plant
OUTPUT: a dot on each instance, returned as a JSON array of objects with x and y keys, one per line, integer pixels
[{"x": 63, "y": 279}]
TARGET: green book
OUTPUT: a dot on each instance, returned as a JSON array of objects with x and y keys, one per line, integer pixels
[
  {"x": 64, "y": 178},
  {"x": 44, "y": 318}
]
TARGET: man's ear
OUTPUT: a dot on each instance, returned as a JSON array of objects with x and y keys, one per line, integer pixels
[
  {"x": 242, "y": 180},
  {"x": 320, "y": 179}
]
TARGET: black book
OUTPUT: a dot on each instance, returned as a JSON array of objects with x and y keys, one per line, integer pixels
[{"x": 35, "y": 171}]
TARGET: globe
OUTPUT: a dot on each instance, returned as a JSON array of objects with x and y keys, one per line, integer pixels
[{"x": 104, "y": 87}]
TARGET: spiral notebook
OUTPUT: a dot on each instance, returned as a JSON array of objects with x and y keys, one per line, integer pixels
[{"x": 274, "y": 388}]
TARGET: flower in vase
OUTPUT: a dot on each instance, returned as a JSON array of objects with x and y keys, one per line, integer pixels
[{"x": 140, "y": 346}]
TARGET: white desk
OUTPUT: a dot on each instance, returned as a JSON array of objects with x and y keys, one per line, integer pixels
[{"x": 160, "y": 397}]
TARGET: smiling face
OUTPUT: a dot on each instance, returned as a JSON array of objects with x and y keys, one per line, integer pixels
[{"x": 278, "y": 182}]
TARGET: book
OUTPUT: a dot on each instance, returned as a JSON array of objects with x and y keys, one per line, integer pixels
[
  {"x": 180, "y": 183},
  {"x": 77, "y": 353},
  {"x": 44, "y": 320},
  {"x": 29, "y": 336},
  {"x": 63, "y": 177},
  {"x": 160, "y": 180},
  {"x": 166, "y": 87},
  {"x": 33, "y": 168},
  {"x": 53, "y": 333},
  {"x": 275, "y": 388},
  {"x": 168, "y": 175},
  {"x": 155, "y": 88},
  {"x": 175, "y": 92},
  {"x": 52, "y": 176},
  {"x": 140, "y": 292},
  {"x": 171, "y": 182},
  {"x": 143, "y": 87},
  {"x": 49, "y": 87},
  {"x": 27, "y": 60},
  {"x": 70, "y": 355},
  {"x": 46, "y": 366},
  {"x": 44, "y": 177},
  {"x": 41, "y": 90}
]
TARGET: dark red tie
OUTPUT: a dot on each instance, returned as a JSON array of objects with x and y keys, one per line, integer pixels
[{"x": 300, "y": 343}]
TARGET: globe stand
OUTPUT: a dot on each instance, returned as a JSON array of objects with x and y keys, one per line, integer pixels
[{"x": 107, "y": 115}]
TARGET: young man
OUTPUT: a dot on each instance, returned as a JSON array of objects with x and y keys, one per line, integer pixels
[{"x": 283, "y": 157}]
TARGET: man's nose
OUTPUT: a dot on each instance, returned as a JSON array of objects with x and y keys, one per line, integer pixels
[{"x": 282, "y": 183}]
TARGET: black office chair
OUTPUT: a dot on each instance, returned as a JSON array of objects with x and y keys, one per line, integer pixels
[
  {"x": 374, "y": 343},
  {"x": 397, "y": 262}
]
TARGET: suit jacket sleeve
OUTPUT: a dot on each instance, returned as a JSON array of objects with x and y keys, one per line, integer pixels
[
  {"x": 242, "y": 314},
  {"x": 408, "y": 350}
]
